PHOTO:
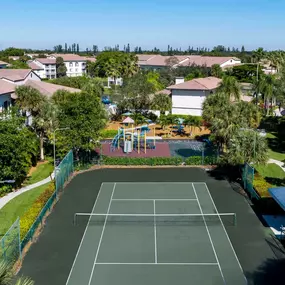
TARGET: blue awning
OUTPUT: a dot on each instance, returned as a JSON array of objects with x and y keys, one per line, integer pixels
[{"x": 278, "y": 194}]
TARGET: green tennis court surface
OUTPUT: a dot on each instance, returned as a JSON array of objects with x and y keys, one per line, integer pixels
[{"x": 155, "y": 234}]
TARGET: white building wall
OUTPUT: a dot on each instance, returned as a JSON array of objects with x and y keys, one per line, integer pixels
[
  {"x": 231, "y": 62},
  {"x": 75, "y": 68},
  {"x": 188, "y": 102}
]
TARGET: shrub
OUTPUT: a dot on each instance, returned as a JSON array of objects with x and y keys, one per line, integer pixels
[
  {"x": 108, "y": 134},
  {"x": 142, "y": 160},
  {"x": 261, "y": 186},
  {"x": 32, "y": 213},
  {"x": 5, "y": 189}
]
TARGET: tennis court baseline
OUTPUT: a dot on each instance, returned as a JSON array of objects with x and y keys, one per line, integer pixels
[{"x": 156, "y": 234}]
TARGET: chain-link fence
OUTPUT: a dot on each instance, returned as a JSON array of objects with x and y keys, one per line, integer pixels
[
  {"x": 10, "y": 244},
  {"x": 248, "y": 178},
  {"x": 63, "y": 171}
]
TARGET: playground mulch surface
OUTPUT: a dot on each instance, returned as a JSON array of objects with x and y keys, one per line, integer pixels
[{"x": 50, "y": 259}]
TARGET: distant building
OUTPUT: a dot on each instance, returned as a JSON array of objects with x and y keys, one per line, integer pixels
[
  {"x": 3, "y": 64},
  {"x": 188, "y": 97},
  {"x": 155, "y": 62},
  {"x": 43, "y": 67},
  {"x": 75, "y": 64},
  {"x": 11, "y": 78}
]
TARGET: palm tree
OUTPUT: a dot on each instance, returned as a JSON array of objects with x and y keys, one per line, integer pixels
[
  {"x": 161, "y": 102},
  {"x": 258, "y": 55},
  {"x": 216, "y": 71},
  {"x": 7, "y": 276},
  {"x": 269, "y": 90},
  {"x": 230, "y": 87},
  {"x": 43, "y": 113},
  {"x": 247, "y": 147}
]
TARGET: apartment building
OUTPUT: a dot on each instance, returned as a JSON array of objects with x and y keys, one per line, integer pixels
[
  {"x": 44, "y": 67},
  {"x": 75, "y": 64}
]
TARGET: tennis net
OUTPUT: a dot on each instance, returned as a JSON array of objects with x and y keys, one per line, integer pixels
[{"x": 229, "y": 219}]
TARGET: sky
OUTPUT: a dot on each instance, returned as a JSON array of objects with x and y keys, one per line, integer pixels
[{"x": 146, "y": 23}]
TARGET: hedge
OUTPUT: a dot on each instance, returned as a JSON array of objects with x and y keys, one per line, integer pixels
[
  {"x": 193, "y": 160},
  {"x": 261, "y": 186},
  {"x": 32, "y": 213},
  {"x": 142, "y": 160},
  {"x": 107, "y": 134}
]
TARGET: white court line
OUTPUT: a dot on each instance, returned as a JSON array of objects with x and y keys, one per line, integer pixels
[
  {"x": 82, "y": 239},
  {"x": 154, "y": 199},
  {"x": 209, "y": 234},
  {"x": 157, "y": 182},
  {"x": 102, "y": 233},
  {"x": 155, "y": 240},
  {"x": 225, "y": 232},
  {"x": 160, "y": 263}
]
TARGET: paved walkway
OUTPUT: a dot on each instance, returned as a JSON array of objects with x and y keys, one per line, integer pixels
[
  {"x": 4, "y": 200},
  {"x": 280, "y": 163}
]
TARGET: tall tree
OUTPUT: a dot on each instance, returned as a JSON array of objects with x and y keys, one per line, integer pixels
[
  {"x": 161, "y": 102},
  {"x": 230, "y": 87},
  {"x": 60, "y": 67},
  {"x": 77, "y": 48},
  {"x": 217, "y": 71},
  {"x": 84, "y": 114},
  {"x": 42, "y": 112}
]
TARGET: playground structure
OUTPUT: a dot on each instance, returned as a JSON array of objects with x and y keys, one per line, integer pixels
[{"x": 134, "y": 138}]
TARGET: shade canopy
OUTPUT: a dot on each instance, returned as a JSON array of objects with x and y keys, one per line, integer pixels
[
  {"x": 128, "y": 120},
  {"x": 278, "y": 194},
  {"x": 127, "y": 114}
]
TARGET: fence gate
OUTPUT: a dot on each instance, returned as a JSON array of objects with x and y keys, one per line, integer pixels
[{"x": 248, "y": 177}]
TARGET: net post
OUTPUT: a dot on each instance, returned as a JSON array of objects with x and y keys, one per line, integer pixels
[
  {"x": 235, "y": 219},
  {"x": 74, "y": 219}
]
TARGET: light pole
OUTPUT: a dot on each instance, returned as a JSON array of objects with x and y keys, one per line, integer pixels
[{"x": 54, "y": 163}]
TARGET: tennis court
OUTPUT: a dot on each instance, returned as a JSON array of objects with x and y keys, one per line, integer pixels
[{"x": 155, "y": 233}]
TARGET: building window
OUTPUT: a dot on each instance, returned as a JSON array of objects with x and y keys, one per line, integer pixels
[
  {"x": 76, "y": 64},
  {"x": 31, "y": 75},
  {"x": 76, "y": 69},
  {"x": 70, "y": 64},
  {"x": 70, "y": 69},
  {"x": 52, "y": 76}
]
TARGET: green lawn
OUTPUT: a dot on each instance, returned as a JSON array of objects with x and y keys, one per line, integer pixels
[
  {"x": 274, "y": 149},
  {"x": 272, "y": 173},
  {"x": 17, "y": 207},
  {"x": 42, "y": 171}
]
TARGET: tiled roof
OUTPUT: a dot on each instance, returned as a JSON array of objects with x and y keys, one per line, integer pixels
[
  {"x": 208, "y": 83},
  {"x": 14, "y": 74},
  {"x": 183, "y": 60},
  {"x": 6, "y": 87},
  {"x": 46, "y": 60},
  {"x": 49, "y": 89},
  {"x": 69, "y": 57},
  {"x": 3, "y": 62},
  {"x": 34, "y": 66}
]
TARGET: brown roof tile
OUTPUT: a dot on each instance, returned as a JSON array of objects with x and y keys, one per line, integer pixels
[
  {"x": 3, "y": 62},
  {"x": 69, "y": 57},
  {"x": 49, "y": 89},
  {"x": 14, "y": 74},
  {"x": 6, "y": 87},
  {"x": 46, "y": 60},
  {"x": 207, "y": 83},
  {"x": 34, "y": 66}
]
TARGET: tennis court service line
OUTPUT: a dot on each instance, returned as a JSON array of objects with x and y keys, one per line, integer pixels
[
  {"x": 159, "y": 263},
  {"x": 215, "y": 253},
  {"x": 225, "y": 230},
  {"x": 155, "y": 240},
  {"x": 116, "y": 199},
  {"x": 81, "y": 242},
  {"x": 102, "y": 233}
]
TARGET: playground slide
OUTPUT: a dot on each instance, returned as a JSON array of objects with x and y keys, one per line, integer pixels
[{"x": 114, "y": 143}]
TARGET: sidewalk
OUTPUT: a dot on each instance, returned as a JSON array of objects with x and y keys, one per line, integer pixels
[{"x": 4, "y": 200}]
